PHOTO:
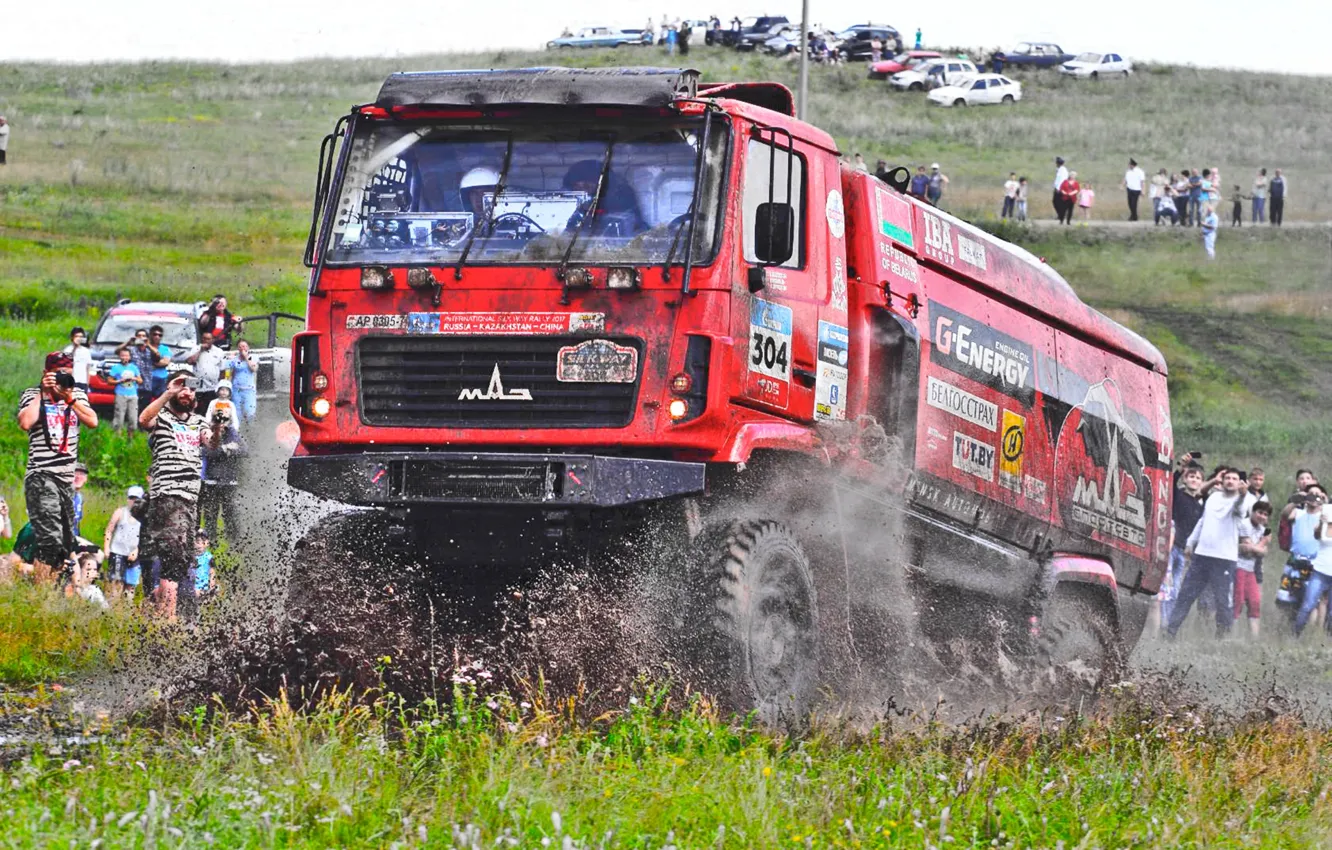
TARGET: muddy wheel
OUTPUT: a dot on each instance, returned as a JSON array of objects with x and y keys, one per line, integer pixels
[
  {"x": 754, "y": 623},
  {"x": 350, "y": 610},
  {"x": 1077, "y": 649}
]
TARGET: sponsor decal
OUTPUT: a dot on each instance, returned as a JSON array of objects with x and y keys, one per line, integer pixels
[
  {"x": 1012, "y": 444},
  {"x": 894, "y": 216},
  {"x": 1111, "y": 488},
  {"x": 981, "y": 353},
  {"x": 938, "y": 238},
  {"x": 776, "y": 279},
  {"x": 830, "y": 383},
  {"x": 769, "y": 379},
  {"x": 972, "y": 456},
  {"x": 495, "y": 392},
  {"x": 933, "y": 439},
  {"x": 1034, "y": 489},
  {"x": 1165, "y": 443},
  {"x": 835, "y": 214},
  {"x": 838, "y": 285},
  {"x": 962, "y": 404},
  {"x": 376, "y": 321},
  {"x": 504, "y": 324},
  {"x": 971, "y": 251},
  {"x": 597, "y": 361},
  {"x": 897, "y": 263}
]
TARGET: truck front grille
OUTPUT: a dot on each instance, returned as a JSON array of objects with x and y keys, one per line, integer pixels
[{"x": 485, "y": 382}]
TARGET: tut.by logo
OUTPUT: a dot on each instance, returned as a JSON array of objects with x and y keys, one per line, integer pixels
[{"x": 495, "y": 392}]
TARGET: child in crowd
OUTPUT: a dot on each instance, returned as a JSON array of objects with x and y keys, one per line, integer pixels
[
  {"x": 81, "y": 581},
  {"x": 1254, "y": 535},
  {"x": 1086, "y": 197},
  {"x": 222, "y": 404},
  {"x": 1209, "y": 225},
  {"x": 1237, "y": 200},
  {"x": 199, "y": 584}
]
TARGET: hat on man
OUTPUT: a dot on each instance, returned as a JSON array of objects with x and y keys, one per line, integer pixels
[
  {"x": 1059, "y": 160},
  {"x": 135, "y": 492},
  {"x": 81, "y": 467},
  {"x": 935, "y": 166},
  {"x": 58, "y": 360}
]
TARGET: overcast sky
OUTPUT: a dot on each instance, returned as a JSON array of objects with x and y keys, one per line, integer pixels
[{"x": 1280, "y": 35}]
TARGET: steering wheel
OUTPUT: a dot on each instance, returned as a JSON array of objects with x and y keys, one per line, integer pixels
[{"x": 515, "y": 222}]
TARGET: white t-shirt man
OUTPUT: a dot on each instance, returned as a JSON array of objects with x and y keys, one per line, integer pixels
[
  {"x": 1061, "y": 174},
  {"x": 1323, "y": 560},
  {"x": 4, "y": 137},
  {"x": 1010, "y": 188},
  {"x": 83, "y": 359},
  {"x": 1134, "y": 178}
]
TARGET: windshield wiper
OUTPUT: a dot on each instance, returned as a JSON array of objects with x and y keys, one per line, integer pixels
[
  {"x": 675, "y": 243},
  {"x": 490, "y": 216},
  {"x": 591, "y": 213}
]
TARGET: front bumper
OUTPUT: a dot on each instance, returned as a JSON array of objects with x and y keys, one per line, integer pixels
[{"x": 492, "y": 478}]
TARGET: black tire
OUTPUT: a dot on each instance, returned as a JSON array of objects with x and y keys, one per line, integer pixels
[
  {"x": 961, "y": 101},
  {"x": 1126, "y": 75},
  {"x": 753, "y": 623},
  {"x": 1008, "y": 100},
  {"x": 1077, "y": 648},
  {"x": 873, "y": 75},
  {"x": 916, "y": 87},
  {"x": 1095, "y": 75}
]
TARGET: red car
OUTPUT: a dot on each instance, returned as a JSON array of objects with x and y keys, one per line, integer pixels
[
  {"x": 118, "y": 324},
  {"x": 907, "y": 59}
]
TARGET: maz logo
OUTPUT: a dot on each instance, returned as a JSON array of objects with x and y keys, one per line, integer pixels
[{"x": 495, "y": 392}]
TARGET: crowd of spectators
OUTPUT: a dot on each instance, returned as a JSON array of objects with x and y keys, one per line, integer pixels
[
  {"x": 1222, "y": 530},
  {"x": 161, "y": 537}
]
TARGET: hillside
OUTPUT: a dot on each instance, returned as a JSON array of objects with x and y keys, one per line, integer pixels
[{"x": 181, "y": 179}]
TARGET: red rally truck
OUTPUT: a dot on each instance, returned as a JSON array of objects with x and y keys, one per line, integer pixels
[{"x": 552, "y": 308}]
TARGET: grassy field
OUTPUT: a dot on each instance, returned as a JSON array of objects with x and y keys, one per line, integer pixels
[{"x": 176, "y": 180}]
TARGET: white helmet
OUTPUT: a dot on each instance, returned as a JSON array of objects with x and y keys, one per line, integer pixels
[{"x": 479, "y": 177}]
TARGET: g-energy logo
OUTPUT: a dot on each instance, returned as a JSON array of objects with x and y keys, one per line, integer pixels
[{"x": 981, "y": 353}]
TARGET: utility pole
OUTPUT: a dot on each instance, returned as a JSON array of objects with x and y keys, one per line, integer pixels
[{"x": 804, "y": 60}]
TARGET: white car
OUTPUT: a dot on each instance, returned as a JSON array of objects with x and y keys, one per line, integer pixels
[
  {"x": 981, "y": 90},
  {"x": 937, "y": 72},
  {"x": 1097, "y": 66}
]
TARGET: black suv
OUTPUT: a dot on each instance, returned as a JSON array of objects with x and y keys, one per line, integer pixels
[
  {"x": 753, "y": 34},
  {"x": 856, "y": 40}
]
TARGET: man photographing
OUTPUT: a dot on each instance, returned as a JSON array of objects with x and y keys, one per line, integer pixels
[
  {"x": 176, "y": 437},
  {"x": 52, "y": 413}
]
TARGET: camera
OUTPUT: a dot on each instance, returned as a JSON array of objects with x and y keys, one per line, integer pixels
[
  {"x": 64, "y": 380},
  {"x": 221, "y": 417}
]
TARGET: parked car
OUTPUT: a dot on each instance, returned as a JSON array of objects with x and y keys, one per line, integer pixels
[
  {"x": 1097, "y": 65},
  {"x": 180, "y": 326},
  {"x": 1035, "y": 54},
  {"x": 934, "y": 73},
  {"x": 601, "y": 37},
  {"x": 755, "y": 31},
  {"x": 787, "y": 40},
  {"x": 856, "y": 40},
  {"x": 885, "y": 68},
  {"x": 981, "y": 90}
]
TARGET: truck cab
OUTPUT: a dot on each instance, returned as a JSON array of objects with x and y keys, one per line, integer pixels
[{"x": 556, "y": 310}]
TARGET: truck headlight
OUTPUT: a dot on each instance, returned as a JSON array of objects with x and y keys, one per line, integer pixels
[{"x": 376, "y": 277}]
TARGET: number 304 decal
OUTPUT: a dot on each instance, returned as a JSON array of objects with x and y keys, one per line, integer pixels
[{"x": 769, "y": 378}]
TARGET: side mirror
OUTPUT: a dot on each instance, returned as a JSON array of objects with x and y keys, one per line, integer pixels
[
  {"x": 774, "y": 233},
  {"x": 900, "y": 178}
]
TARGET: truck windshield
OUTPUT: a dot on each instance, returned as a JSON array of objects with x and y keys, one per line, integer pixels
[{"x": 425, "y": 193}]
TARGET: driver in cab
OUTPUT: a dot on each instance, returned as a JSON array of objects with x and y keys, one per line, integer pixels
[{"x": 616, "y": 213}]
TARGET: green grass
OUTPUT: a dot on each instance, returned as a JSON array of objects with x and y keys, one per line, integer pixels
[
  {"x": 45, "y": 637},
  {"x": 499, "y": 773}
]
